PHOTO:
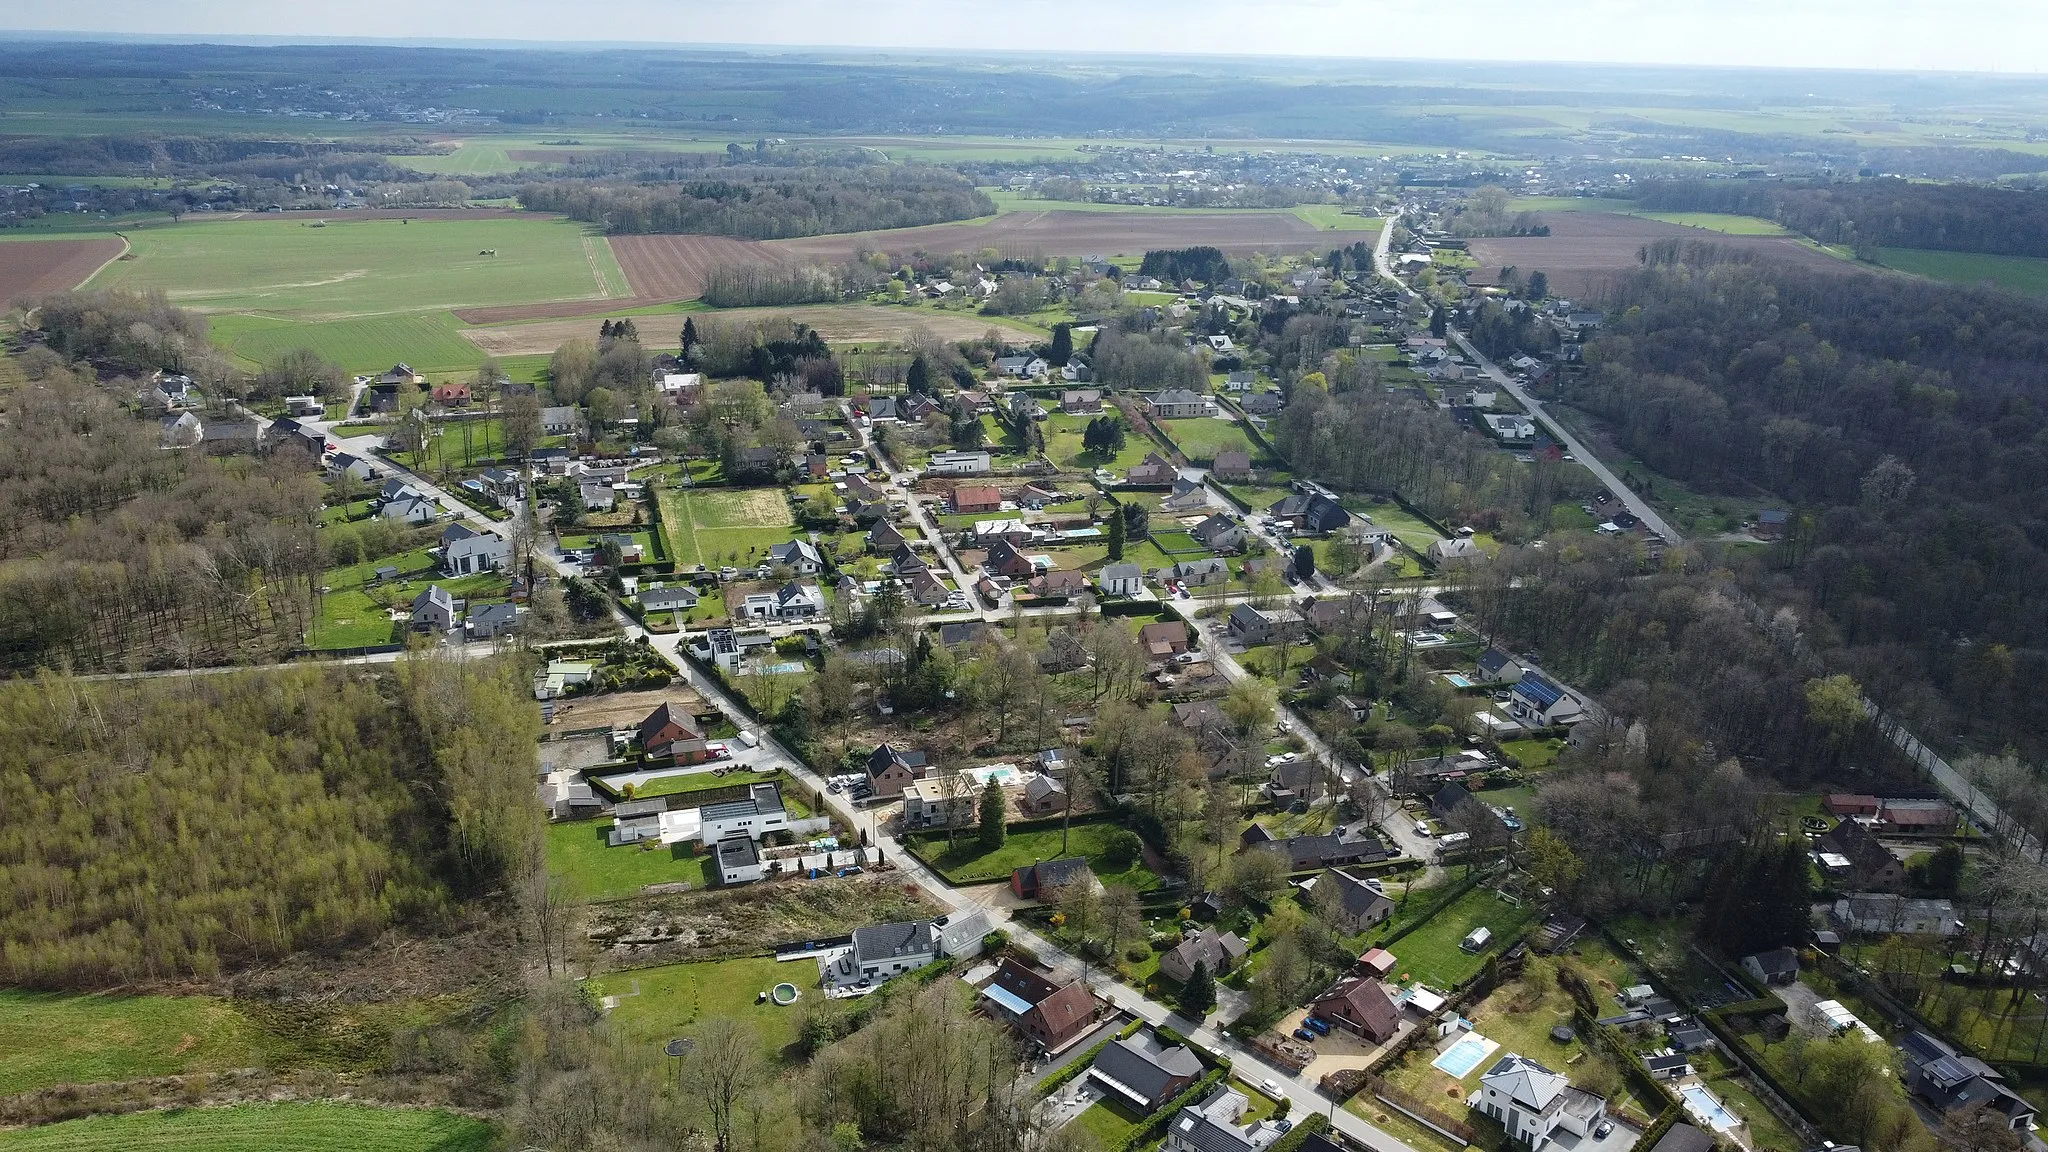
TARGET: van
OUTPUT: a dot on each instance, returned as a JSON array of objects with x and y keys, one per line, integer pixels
[
  {"x": 750, "y": 739},
  {"x": 1421, "y": 828}
]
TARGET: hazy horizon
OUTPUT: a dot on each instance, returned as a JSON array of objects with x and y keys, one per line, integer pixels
[{"x": 1881, "y": 35}]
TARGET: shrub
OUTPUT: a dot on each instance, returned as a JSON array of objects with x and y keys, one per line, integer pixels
[{"x": 1121, "y": 849}]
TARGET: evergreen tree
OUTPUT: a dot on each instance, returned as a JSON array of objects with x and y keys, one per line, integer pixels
[
  {"x": 994, "y": 811},
  {"x": 1116, "y": 538},
  {"x": 919, "y": 378},
  {"x": 1305, "y": 562},
  {"x": 1539, "y": 286},
  {"x": 1438, "y": 322},
  {"x": 1062, "y": 345},
  {"x": 1198, "y": 995},
  {"x": 690, "y": 338}
]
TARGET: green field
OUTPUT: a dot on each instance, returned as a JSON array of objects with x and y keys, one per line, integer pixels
[
  {"x": 2027, "y": 275},
  {"x": 262, "y": 1128},
  {"x": 656, "y": 1005},
  {"x": 965, "y": 863},
  {"x": 365, "y": 266},
  {"x": 1333, "y": 218},
  {"x": 1431, "y": 953},
  {"x": 718, "y": 526},
  {"x": 429, "y": 341},
  {"x": 351, "y": 613},
  {"x": 1110, "y": 1121},
  {"x": 577, "y": 849},
  {"x": 1719, "y": 222},
  {"x": 1202, "y": 439},
  {"x": 1063, "y": 445},
  {"x": 53, "y": 1039}
]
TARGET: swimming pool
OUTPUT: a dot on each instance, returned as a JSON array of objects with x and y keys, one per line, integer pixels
[
  {"x": 1003, "y": 774},
  {"x": 1708, "y": 1109},
  {"x": 785, "y": 669},
  {"x": 1456, "y": 680},
  {"x": 1461, "y": 1058}
]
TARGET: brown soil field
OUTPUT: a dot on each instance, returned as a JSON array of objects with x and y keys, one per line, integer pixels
[
  {"x": 1585, "y": 249},
  {"x": 660, "y": 269},
  {"x": 837, "y": 323},
  {"x": 33, "y": 267},
  {"x": 1056, "y": 233}
]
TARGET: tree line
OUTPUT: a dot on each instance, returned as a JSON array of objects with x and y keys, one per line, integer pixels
[
  {"x": 1871, "y": 214},
  {"x": 770, "y": 204}
]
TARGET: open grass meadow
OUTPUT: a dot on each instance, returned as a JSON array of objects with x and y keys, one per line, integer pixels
[
  {"x": 720, "y": 526},
  {"x": 1063, "y": 445},
  {"x": 352, "y": 613},
  {"x": 52, "y": 1039},
  {"x": 1431, "y": 953},
  {"x": 1202, "y": 439},
  {"x": 263, "y": 1128},
  {"x": 2027, "y": 275},
  {"x": 599, "y": 872},
  {"x": 429, "y": 341},
  {"x": 656, "y": 1005},
  {"x": 1722, "y": 222},
  {"x": 966, "y": 863}
]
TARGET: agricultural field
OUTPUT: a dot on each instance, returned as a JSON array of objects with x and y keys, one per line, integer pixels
[
  {"x": 262, "y": 1128},
  {"x": 1064, "y": 231},
  {"x": 1719, "y": 222},
  {"x": 657, "y": 1004},
  {"x": 55, "y": 1039},
  {"x": 2027, "y": 275},
  {"x": 429, "y": 341},
  {"x": 599, "y": 872},
  {"x": 965, "y": 863},
  {"x": 1202, "y": 439},
  {"x": 720, "y": 526},
  {"x": 1585, "y": 248},
  {"x": 33, "y": 267},
  {"x": 837, "y": 323}
]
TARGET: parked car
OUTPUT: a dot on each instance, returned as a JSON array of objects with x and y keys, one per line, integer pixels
[
  {"x": 1603, "y": 1129},
  {"x": 1317, "y": 1025},
  {"x": 718, "y": 750},
  {"x": 750, "y": 739},
  {"x": 1186, "y": 658},
  {"x": 1272, "y": 1088},
  {"x": 1304, "y": 1034}
]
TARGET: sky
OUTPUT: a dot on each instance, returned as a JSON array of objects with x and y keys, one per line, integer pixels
[{"x": 2008, "y": 36}]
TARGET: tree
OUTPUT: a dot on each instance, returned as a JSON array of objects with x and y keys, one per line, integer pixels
[
  {"x": 1120, "y": 849},
  {"x": 519, "y": 416},
  {"x": 1439, "y": 323},
  {"x": 1836, "y": 704},
  {"x": 1198, "y": 995},
  {"x": 1305, "y": 562},
  {"x": 1104, "y": 435},
  {"x": 1979, "y": 1128},
  {"x": 919, "y": 378},
  {"x": 724, "y": 1065},
  {"x": 1116, "y": 538},
  {"x": 1552, "y": 861},
  {"x": 690, "y": 340},
  {"x": 1257, "y": 877},
  {"x": 994, "y": 817},
  {"x": 1122, "y": 916},
  {"x": 1062, "y": 345},
  {"x": 1539, "y": 286}
]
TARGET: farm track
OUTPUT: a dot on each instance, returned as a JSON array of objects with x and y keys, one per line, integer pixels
[
  {"x": 34, "y": 267},
  {"x": 1585, "y": 249}
]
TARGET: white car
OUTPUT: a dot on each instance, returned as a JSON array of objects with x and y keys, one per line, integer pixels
[
  {"x": 1272, "y": 1088},
  {"x": 1186, "y": 658}
]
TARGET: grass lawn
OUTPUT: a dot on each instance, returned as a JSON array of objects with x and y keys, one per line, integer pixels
[
  {"x": 458, "y": 445},
  {"x": 1063, "y": 445},
  {"x": 577, "y": 849},
  {"x": 1431, "y": 953},
  {"x": 1109, "y": 1121},
  {"x": 1176, "y": 542},
  {"x": 2023, "y": 274},
  {"x": 1203, "y": 438},
  {"x": 967, "y": 864},
  {"x": 721, "y": 526},
  {"x": 658, "y": 1004},
  {"x": 1532, "y": 753},
  {"x": 56, "y": 1039},
  {"x": 352, "y": 612},
  {"x": 365, "y": 265},
  {"x": 1333, "y": 218},
  {"x": 1259, "y": 498},
  {"x": 689, "y": 782},
  {"x": 1407, "y": 527},
  {"x": 263, "y": 1128}
]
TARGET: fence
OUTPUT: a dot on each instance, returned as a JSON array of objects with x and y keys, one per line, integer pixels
[{"x": 1429, "y": 1117}]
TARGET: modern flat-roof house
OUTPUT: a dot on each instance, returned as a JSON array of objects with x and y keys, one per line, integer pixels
[
  {"x": 959, "y": 463},
  {"x": 1533, "y": 1103},
  {"x": 1051, "y": 1014},
  {"x": 948, "y": 801},
  {"x": 1143, "y": 1072}
]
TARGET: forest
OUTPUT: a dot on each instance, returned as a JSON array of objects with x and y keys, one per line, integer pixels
[
  {"x": 180, "y": 827},
  {"x": 1869, "y": 214},
  {"x": 1906, "y": 424},
  {"x": 770, "y": 203}
]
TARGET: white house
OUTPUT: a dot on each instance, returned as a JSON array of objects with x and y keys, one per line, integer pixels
[
  {"x": 1212, "y": 1126},
  {"x": 1121, "y": 580},
  {"x": 801, "y": 556},
  {"x": 678, "y": 597},
  {"x": 884, "y": 950},
  {"x": 561, "y": 420},
  {"x": 1533, "y": 1103},
  {"x": 1539, "y": 700},
  {"x": 792, "y": 601},
  {"x": 560, "y": 676},
  {"x": 959, "y": 463},
  {"x": 466, "y": 551},
  {"x": 1179, "y": 403}
]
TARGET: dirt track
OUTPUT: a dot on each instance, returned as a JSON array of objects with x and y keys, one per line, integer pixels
[
  {"x": 837, "y": 323},
  {"x": 1075, "y": 234},
  {"x": 1585, "y": 249},
  {"x": 33, "y": 267}
]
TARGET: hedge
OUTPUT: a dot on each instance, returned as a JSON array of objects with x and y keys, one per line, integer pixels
[
  {"x": 1658, "y": 1127},
  {"x": 1155, "y": 1125},
  {"x": 1457, "y": 891}
]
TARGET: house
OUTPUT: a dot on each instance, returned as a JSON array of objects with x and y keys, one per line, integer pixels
[
  {"x": 675, "y": 598},
  {"x": 1449, "y": 799},
  {"x": 1686, "y": 1138},
  {"x": 1350, "y": 845},
  {"x": 1540, "y": 701},
  {"x": 905, "y": 561},
  {"x": 1950, "y": 1081},
  {"x": 1199, "y": 716},
  {"x": 1263, "y": 404},
  {"x": 180, "y": 431},
  {"x": 1771, "y": 523},
  {"x": 884, "y": 537},
  {"x": 561, "y": 420},
  {"x": 1327, "y": 614},
  {"x": 1311, "y": 512},
  {"x": 1044, "y": 795},
  {"x": 1889, "y": 914},
  {"x": 466, "y": 551},
  {"x": 175, "y": 392},
  {"x": 1232, "y": 465},
  {"x": 670, "y": 731},
  {"x": 721, "y": 648},
  {"x": 1533, "y": 1103},
  {"x": 1359, "y": 1004},
  {"x": 1511, "y": 429},
  {"x": 597, "y": 497},
  {"x": 975, "y": 498},
  {"x": 1121, "y": 580},
  {"x": 881, "y": 409},
  {"x": 1293, "y": 779},
  {"x": 1164, "y": 639},
  {"x": 1667, "y": 1065},
  {"x": 1041, "y": 880},
  {"x": 1455, "y": 551},
  {"x": 1357, "y": 905},
  {"x": 1253, "y": 626},
  {"x": 799, "y": 556},
  {"x": 346, "y": 464},
  {"x": 1241, "y": 380},
  {"x": 1187, "y": 498},
  {"x": 1005, "y": 560},
  {"x": 1180, "y": 404},
  {"x": 884, "y": 950},
  {"x": 1154, "y": 471},
  {"x": 1069, "y": 582},
  {"x": 490, "y": 621},
  {"x": 435, "y": 610},
  {"x": 451, "y": 395},
  {"x": 959, "y": 463},
  {"x": 1497, "y": 667},
  {"x": 1777, "y": 966},
  {"x": 1217, "y": 952},
  {"x": 1050, "y": 1015},
  {"x": 738, "y": 860},
  {"x": 1870, "y": 863},
  {"x": 1081, "y": 401},
  {"x": 1212, "y": 1126},
  {"x": 1201, "y": 573},
  {"x": 891, "y": 769},
  {"x": 1143, "y": 1072},
  {"x": 948, "y": 801},
  {"x": 1845, "y": 805},
  {"x": 1928, "y": 817},
  {"x": 967, "y": 632},
  {"x": 926, "y": 589},
  {"x": 561, "y": 675}
]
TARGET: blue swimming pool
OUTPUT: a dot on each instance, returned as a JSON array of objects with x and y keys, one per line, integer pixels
[
  {"x": 1461, "y": 1058},
  {"x": 1708, "y": 1109},
  {"x": 785, "y": 669},
  {"x": 1456, "y": 680}
]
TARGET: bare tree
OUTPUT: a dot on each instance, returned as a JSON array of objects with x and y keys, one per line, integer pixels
[{"x": 724, "y": 1065}]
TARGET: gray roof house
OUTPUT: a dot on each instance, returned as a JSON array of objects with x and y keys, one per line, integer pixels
[
  {"x": 883, "y": 950},
  {"x": 680, "y": 596},
  {"x": 1950, "y": 1081},
  {"x": 489, "y": 621},
  {"x": 800, "y": 555},
  {"x": 1144, "y": 1072},
  {"x": 1121, "y": 580},
  {"x": 434, "y": 610}
]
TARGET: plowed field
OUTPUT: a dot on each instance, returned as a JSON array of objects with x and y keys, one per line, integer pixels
[
  {"x": 1057, "y": 233},
  {"x": 1585, "y": 249},
  {"x": 660, "y": 269},
  {"x": 33, "y": 267}
]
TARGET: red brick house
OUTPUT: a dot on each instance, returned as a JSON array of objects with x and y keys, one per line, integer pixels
[
  {"x": 668, "y": 731},
  {"x": 451, "y": 395},
  {"x": 1360, "y": 1004},
  {"x": 977, "y": 498},
  {"x": 891, "y": 770},
  {"x": 1053, "y": 1015}
]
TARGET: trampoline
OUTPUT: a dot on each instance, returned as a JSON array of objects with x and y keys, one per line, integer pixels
[{"x": 784, "y": 994}]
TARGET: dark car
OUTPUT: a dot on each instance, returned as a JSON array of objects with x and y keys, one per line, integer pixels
[
  {"x": 1318, "y": 1025},
  {"x": 1304, "y": 1034}
]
